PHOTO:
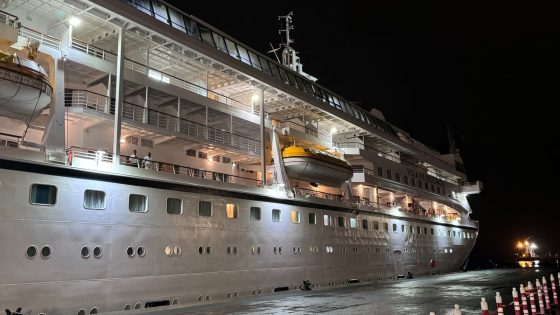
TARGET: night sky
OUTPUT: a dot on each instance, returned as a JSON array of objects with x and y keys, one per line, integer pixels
[{"x": 490, "y": 71}]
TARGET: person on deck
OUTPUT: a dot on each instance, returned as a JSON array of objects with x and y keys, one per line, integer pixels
[
  {"x": 148, "y": 160},
  {"x": 134, "y": 159}
]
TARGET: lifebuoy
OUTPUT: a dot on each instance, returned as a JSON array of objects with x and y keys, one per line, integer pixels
[{"x": 432, "y": 263}]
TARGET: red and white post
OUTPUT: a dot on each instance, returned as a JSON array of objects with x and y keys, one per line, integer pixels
[
  {"x": 553, "y": 285},
  {"x": 540, "y": 297},
  {"x": 484, "y": 306},
  {"x": 531, "y": 291},
  {"x": 523, "y": 300},
  {"x": 546, "y": 296},
  {"x": 499, "y": 305},
  {"x": 516, "y": 301}
]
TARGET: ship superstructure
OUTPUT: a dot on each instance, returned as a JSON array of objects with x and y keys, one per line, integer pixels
[{"x": 151, "y": 160}]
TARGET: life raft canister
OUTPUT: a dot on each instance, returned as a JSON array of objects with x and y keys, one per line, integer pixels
[{"x": 432, "y": 263}]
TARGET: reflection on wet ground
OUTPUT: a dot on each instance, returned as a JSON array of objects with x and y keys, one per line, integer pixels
[{"x": 405, "y": 296}]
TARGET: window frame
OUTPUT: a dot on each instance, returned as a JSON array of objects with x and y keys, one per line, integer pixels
[
  {"x": 145, "y": 203},
  {"x": 211, "y": 208},
  {"x": 43, "y": 204},
  {"x": 167, "y": 206},
  {"x": 104, "y": 200}
]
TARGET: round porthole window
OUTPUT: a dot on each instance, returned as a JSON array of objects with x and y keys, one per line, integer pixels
[
  {"x": 130, "y": 251},
  {"x": 46, "y": 252},
  {"x": 177, "y": 250},
  {"x": 85, "y": 253},
  {"x": 175, "y": 301},
  {"x": 138, "y": 306},
  {"x": 168, "y": 251},
  {"x": 94, "y": 310},
  {"x": 201, "y": 250},
  {"x": 97, "y": 252},
  {"x": 141, "y": 251},
  {"x": 127, "y": 307},
  {"x": 208, "y": 250},
  {"x": 31, "y": 252},
  {"x": 81, "y": 312}
]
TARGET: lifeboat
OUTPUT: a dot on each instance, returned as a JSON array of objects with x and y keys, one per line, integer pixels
[
  {"x": 315, "y": 166},
  {"x": 25, "y": 87}
]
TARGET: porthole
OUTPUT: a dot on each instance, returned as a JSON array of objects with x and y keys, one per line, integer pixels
[
  {"x": 260, "y": 291},
  {"x": 199, "y": 298},
  {"x": 208, "y": 250},
  {"x": 235, "y": 250},
  {"x": 81, "y": 312},
  {"x": 177, "y": 250},
  {"x": 130, "y": 252},
  {"x": 201, "y": 250},
  {"x": 127, "y": 307},
  {"x": 280, "y": 250},
  {"x": 137, "y": 306},
  {"x": 175, "y": 301},
  {"x": 97, "y": 252},
  {"x": 46, "y": 252},
  {"x": 253, "y": 250},
  {"x": 254, "y": 292},
  {"x": 294, "y": 249},
  {"x": 312, "y": 249},
  {"x": 235, "y": 294},
  {"x": 275, "y": 250},
  {"x": 168, "y": 251},
  {"x": 31, "y": 252},
  {"x": 141, "y": 251},
  {"x": 207, "y": 298},
  {"x": 85, "y": 254},
  {"x": 228, "y": 296},
  {"x": 94, "y": 310},
  {"x": 258, "y": 250},
  {"x": 228, "y": 250},
  {"x": 299, "y": 250}
]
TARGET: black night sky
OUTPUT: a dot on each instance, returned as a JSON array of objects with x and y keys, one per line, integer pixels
[{"x": 489, "y": 71}]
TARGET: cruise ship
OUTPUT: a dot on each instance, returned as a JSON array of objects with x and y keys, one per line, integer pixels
[{"x": 150, "y": 160}]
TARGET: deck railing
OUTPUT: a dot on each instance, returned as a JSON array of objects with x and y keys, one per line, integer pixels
[
  {"x": 98, "y": 102},
  {"x": 306, "y": 130},
  {"x": 160, "y": 166}
]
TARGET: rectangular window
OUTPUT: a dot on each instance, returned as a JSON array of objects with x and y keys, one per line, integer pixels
[
  {"x": 449, "y": 233},
  {"x": 232, "y": 49},
  {"x": 432, "y": 231},
  {"x": 43, "y": 194},
  {"x": 226, "y": 160},
  {"x": 426, "y": 230},
  {"x": 94, "y": 199},
  {"x": 402, "y": 228},
  {"x": 312, "y": 218},
  {"x": 353, "y": 223},
  {"x": 176, "y": 20},
  {"x": 326, "y": 219},
  {"x": 385, "y": 226},
  {"x": 418, "y": 231},
  {"x": 160, "y": 11},
  {"x": 379, "y": 171},
  {"x": 204, "y": 208},
  {"x": 202, "y": 155},
  {"x": 454, "y": 234},
  {"x": 220, "y": 43},
  {"x": 426, "y": 185},
  {"x": 243, "y": 54},
  {"x": 137, "y": 203},
  {"x": 433, "y": 188},
  {"x": 340, "y": 221},
  {"x": 411, "y": 229},
  {"x": 255, "y": 213},
  {"x": 376, "y": 225},
  {"x": 397, "y": 177},
  {"x": 412, "y": 181},
  {"x": 231, "y": 211},
  {"x": 206, "y": 35},
  {"x": 419, "y": 184},
  {"x": 365, "y": 225},
  {"x": 405, "y": 178},
  {"x": 276, "y": 215},
  {"x": 191, "y": 152},
  {"x": 174, "y": 206},
  {"x": 394, "y": 227},
  {"x": 295, "y": 216},
  {"x": 389, "y": 174}
]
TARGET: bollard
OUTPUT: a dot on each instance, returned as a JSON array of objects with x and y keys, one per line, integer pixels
[
  {"x": 516, "y": 301},
  {"x": 456, "y": 310},
  {"x": 532, "y": 298},
  {"x": 484, "y": 306},
  {"x": 553, "y": 285},
  {"x": 546, "y": 296},
  {"x": 540, "y": 297},
  {"x": 523, "y": 300},
  {"x": 499, "y": 305}
]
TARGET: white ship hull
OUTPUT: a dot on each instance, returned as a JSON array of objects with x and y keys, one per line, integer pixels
[{"x": 115, "y": 280}]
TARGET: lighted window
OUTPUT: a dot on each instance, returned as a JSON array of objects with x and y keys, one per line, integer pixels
[
  {"x": 385, "y": 226},
  {"x": 394, "y": 227},
  {"x": 376, "y": 225},
  {"x": 464, "y": 234},
  {"x": 450, "y": 250},
  {"x": 137, "y": 203},
  {"x": 353, "y": 223},
  {"x": 326, "y": 220},
  {"x": 255, "y": 213},
  {"x": 340, "y": 221},
  {"x": 174, "y": 206},
  {"x": 231, "y": 211},
  {"x": 276, "y": 215},
  {"x": 365, "y": 225},
  {"x": 42, "y": 194},
  {"x": 204, "y": 208},
  {"x": 312, "y": 218},
  {"x": 295, "y": 216},
  {"x": 94, "y": 199}
]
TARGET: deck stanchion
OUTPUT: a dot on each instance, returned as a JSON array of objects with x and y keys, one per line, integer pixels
[
  {"x": 499, "y": 306},
  {"x": 523, "y": 299},
  {"x": 516, "y": 301},
  {"x": 546, "y": 296},
  {"x": 457, "y": 310},
  {"x": 484, "y": 306}
]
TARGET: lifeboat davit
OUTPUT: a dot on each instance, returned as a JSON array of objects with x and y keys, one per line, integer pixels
[
  {"x": 315, "y": 166},
  {"x": 25, "y": 89}
]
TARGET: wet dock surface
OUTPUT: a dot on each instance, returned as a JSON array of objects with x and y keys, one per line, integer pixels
[{"x": 436, "y": 293}]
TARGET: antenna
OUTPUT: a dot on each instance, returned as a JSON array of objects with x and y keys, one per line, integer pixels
[{"x": 273, "y": 50}]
